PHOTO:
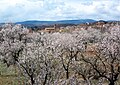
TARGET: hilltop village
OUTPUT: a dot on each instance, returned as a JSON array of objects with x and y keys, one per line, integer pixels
[{"x": 100, "y": 25}]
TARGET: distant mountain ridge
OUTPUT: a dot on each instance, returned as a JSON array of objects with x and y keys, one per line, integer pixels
[{"x": 40, "y": 23}]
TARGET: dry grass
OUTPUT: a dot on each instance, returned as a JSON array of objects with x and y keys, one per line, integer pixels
[
  {"x": 11, "y": 80},
  {"x": 9, "y": 76}
]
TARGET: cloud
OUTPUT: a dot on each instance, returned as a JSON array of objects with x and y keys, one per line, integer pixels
[{"x": 21, "y": 10}]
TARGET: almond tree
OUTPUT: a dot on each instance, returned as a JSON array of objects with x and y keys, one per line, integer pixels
[
  {"x": 67, "y": 48},
  {"x": 12, "y": 38},
  {"x": 110, "y": 50},
  {"x": 105, "y": 61},
  {"x": 37, "y": 62},
  {"x": 31, "y": 52},
  {"x": 87, "y": 38}
]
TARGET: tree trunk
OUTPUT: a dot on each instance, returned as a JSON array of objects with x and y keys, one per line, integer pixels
[
  {"x": 67, "y": 74},
  {"x": 112, "y": 82},
  {"x": 32, "y": 81},
  {"x": 45, "y": 79}
]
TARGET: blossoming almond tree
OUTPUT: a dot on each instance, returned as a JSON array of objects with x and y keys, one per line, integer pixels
[
  {"x": 106, "y": 62},
  {"x": 11, "y": 42}
]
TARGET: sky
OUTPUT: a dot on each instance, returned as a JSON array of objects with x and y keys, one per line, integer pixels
[{"x": 47, "y": 10}]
